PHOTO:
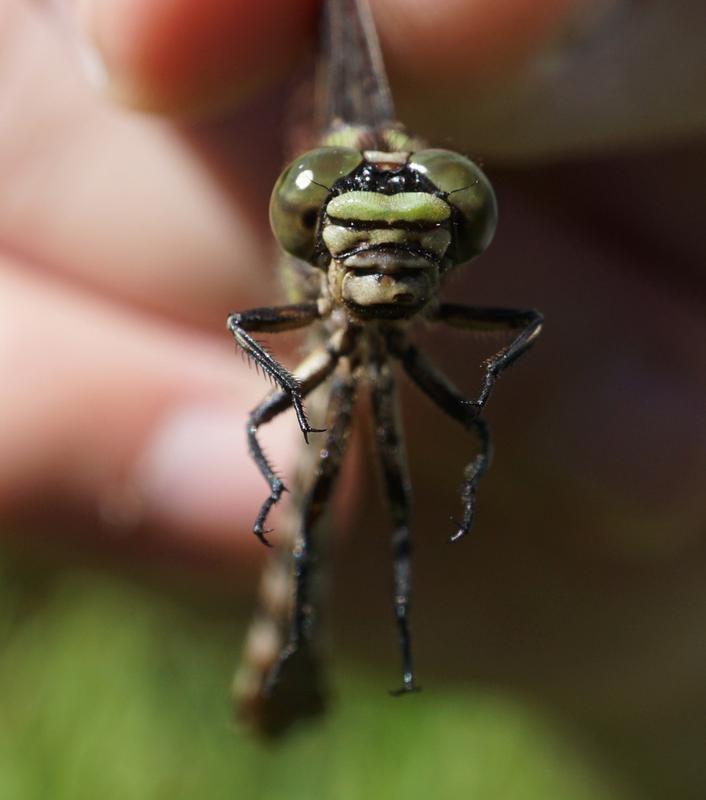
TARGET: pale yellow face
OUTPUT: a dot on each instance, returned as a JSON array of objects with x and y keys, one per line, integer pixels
[{"x": 390, "y": 265}]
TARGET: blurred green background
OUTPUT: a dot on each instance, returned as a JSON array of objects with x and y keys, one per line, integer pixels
[{"x": 115, "y": 685}]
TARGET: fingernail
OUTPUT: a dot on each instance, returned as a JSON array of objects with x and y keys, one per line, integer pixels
[
  {"x": 196, "y": 476},
  {"x": 92, "y": 64},
  {"x": 77, "y": 16}
]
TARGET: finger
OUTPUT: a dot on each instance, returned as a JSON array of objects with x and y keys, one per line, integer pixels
[
  {"x": 124, "y": 203},
  {"x": 478, "y": 40},
  {"x": 134, "y": 423},
  {"x": 187, "y": 55},
  {"x": 536, "y": 78},
  {"x": 522, "y": 79}
]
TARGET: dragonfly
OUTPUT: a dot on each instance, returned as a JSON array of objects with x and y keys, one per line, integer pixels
[{"x": 371, "y": 222}]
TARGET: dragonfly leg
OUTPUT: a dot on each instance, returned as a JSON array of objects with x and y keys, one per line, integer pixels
[
  {"x": 393, "y": 460},
  {"x": 275, "y": 320},
  {"x": 527, "y": 322},
  {"x": 298, "y": 651},
  {"x": 442, "y": 392},
  {"x": 310, "y": 374}
]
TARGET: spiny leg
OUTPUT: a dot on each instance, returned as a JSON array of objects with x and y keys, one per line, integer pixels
[
  {"x": 473, "y": 318},
  {"x": 439, "y": 389},
  {"x": 310, "y": 374},
  {"x": 390, "y": 447},
  {"x": 275, "y": 320},
  {"x": 472, "y": 475},
  {"x": 340, "y": 415},
  {"x": 297, "y": 650}
]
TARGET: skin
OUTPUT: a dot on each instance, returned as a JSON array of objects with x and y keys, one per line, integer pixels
[{"x": 125, "y": 240}]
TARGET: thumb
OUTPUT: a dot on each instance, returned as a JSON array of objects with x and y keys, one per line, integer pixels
[
  {"x": 184, "y": 56},
  {"x": 129, "y": 420}
]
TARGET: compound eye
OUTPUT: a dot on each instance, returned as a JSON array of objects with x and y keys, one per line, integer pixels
[
  {"x": 467, "y": 190},
  {"x": 300, "y": 193}
]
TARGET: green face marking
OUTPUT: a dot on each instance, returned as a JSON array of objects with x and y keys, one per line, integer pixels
[{"x": 420, "y": 207}]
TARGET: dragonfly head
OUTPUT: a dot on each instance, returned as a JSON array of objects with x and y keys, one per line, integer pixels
[{"x": 386, "y": 226}]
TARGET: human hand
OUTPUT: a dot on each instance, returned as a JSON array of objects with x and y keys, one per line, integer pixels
[
  {"x": 125, "y": 242},
  {"x": 126, "y": 239}
]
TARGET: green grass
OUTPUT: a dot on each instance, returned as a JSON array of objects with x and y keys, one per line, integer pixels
[{"x": 112, "y": 691}]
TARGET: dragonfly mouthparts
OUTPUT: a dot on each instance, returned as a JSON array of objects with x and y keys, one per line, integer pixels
[{"x": 388, "y": 260}]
